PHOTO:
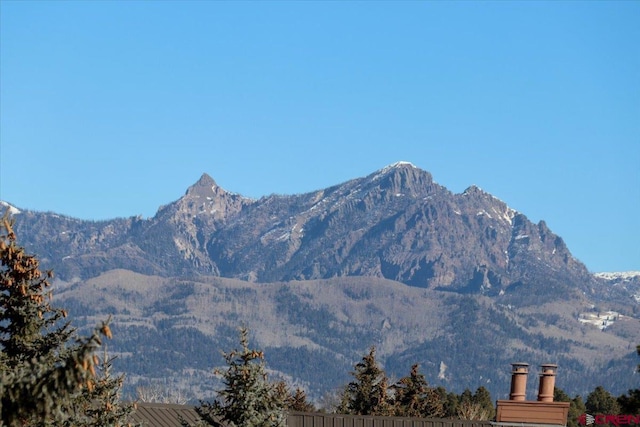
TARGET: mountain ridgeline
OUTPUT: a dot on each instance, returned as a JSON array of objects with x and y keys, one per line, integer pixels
[
  {"x": 396, "y": 224},
  {"x": 460, "y": 283}
]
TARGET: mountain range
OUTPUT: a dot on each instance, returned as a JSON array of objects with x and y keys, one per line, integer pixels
[{"x": 460, "y": 283}]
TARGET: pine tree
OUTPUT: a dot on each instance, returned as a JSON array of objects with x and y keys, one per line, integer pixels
[
  {"x": 600, "y": 401},
  {"x": 44, "y": 367},
  {"x": 367, "y": 394},
  {"x": 248, "y": 399},
  {"x": 414, "y": 398}
]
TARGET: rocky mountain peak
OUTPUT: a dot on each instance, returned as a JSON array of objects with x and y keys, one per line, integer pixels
[
  {"x": 205, "y": 179},
  {"x": 473, "y": 189},
  {"x": 403, "y": 178},
  {"x": 208, "y": 201},
  {"x": 205, "y": 186}
]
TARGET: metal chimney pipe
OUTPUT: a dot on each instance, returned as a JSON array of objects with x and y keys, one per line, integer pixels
[
  {"x": 519, "y": 374},
  {"x": 547, "y": 382}
]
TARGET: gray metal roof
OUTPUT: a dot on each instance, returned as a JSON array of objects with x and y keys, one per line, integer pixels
[{"x": 164, "y": 414}]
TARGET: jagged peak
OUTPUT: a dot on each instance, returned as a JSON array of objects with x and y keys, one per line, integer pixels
[
  {"x": 403, "y": 179},
  {"x": 206, "y": 180},
  {"x": 207, "y": 188},
  {"x": 204, "y": 186},
  {"x": 472, "y": 189}
]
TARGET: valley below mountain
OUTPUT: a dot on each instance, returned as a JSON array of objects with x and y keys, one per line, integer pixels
[{"x": 459, "y": 283}]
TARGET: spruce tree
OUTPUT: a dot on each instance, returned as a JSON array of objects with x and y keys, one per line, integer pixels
[
  {"x": 248, "y": 398},
  {"x": 367, "y": 394},
  {"x": 101, "y": 405},
  {"x": 297, "y": 401},
  {"x": 44, "y": 367},
  {"x": 414, "y": 397},
  {"x": 293, "y": 400}
]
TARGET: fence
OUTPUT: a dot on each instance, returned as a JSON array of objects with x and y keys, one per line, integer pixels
[{"x": 305, "y": 419}]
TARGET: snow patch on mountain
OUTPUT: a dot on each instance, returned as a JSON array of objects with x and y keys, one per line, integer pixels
[
  {"x": 625, "y": 275},
  {"x": 12, "y": 209},
  {"x": 390, "y": 167}
]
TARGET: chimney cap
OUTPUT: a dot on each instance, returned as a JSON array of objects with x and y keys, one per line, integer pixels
[
  {"x": 520, "y": 365},
  {"x": 548, "y": 369}
]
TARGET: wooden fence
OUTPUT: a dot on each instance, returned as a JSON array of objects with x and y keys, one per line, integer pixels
[{"x": 305, "y": 419}]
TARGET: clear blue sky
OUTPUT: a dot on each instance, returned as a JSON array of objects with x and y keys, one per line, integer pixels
[{"x": 113, "y": 108}]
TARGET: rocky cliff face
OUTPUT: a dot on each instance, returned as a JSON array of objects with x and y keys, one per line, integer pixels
[{"x": 396, "y": 223}]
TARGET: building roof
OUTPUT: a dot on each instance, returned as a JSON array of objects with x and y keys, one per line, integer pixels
[{"x": 164, "y": 414}]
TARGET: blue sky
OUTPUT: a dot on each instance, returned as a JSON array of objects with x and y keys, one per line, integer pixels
[{"x": 111, "y": 109}]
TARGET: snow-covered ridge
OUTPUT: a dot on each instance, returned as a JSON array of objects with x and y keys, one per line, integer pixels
[
  {"x": 393, "y": 166},
  {"x": 620, "y": 275},
  {"x": 379, "y": 174},
  {"x": 400, "y": 163},
  {"x": 12, "y": 209}
]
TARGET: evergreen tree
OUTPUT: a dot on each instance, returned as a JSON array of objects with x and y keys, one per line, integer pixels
[
  {"x": 101, "y": 405},
  {"x": 630, "y": 404},
  {"x": 44, "y": 367},
  {"x": 293, "y": 400},
  {"x": 297, "y": 401},
  {"x": 450, "y": 402},
  {"x": 576, "y": 406},
  {"x": 466, "y": 408},
  {"x": 367, "y": 394},
  {"x": 482, "y": 397},
  {"x": 600, "y": 401},
  {"x": 248, "y": 399},
  {"x": 476, "y": 406},
  {"x": 414, "y": 398}
]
